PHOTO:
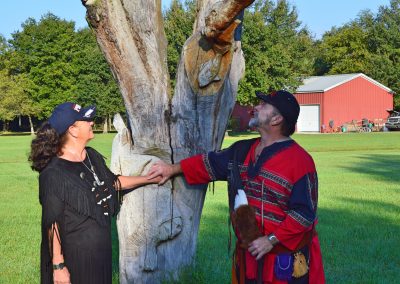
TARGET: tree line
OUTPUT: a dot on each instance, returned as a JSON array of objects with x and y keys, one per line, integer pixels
[
  {"x": 49, "y": 62},
  {"x": 280, "y": 52}
]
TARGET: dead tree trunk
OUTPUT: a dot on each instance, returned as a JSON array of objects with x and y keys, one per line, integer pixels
[
  {"x": 31, "y": 125},
  {"x": 105, "y": 124},
  {"x": 158, "y": 226}
]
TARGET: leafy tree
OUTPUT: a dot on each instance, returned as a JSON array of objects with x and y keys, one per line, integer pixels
[
  {"x": 178, "y": 23},
  {"x": 7, "y": 108},
  {"x": 384, "y": 43},
  {"x": 369, "y": 44},
  {"x": 14, "y": 99},
  {"x": 344, "y": 50},
  {"x": 59, "y": 64},
  {"x": 277, "y": 49},
  {"x": 95, "y": 84},
  {"x": 44, "y": 51},
  {"x": 3, "y": 51}
]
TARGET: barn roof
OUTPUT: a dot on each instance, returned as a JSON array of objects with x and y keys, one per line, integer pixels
[{"x": 320, "y": 84}]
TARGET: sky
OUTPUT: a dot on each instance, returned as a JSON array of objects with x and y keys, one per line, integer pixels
[{"x": 318, "y": 15}]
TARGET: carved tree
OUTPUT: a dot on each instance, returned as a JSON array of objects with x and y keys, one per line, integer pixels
[{"x": 158, "y": 226}]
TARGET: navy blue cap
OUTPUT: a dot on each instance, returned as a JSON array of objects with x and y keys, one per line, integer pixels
[
  {"x": 285, "y": 102},
  {"x": 64, "y": 115}
]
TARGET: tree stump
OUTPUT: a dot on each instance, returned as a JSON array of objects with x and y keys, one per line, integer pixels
[{"x": 158, "y": 225}]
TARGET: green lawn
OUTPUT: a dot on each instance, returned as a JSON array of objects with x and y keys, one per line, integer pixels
[{"x": 359, "y": 211}]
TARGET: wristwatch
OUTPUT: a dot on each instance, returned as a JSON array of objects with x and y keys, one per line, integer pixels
[
  {"x": 273, "y": 239},
  {"x": 59, "y": 266}
]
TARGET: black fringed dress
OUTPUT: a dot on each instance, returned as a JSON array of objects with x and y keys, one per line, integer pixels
[{"x": 82, "y": 210}]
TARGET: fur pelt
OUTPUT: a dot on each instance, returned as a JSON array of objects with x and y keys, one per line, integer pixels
[{"x": 244, "y": 222}]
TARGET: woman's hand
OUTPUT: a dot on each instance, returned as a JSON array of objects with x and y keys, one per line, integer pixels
[
  {"x": 156, "y": 179},
  {"x": 130, "y": 182},
  {"x": 163, "y": 170},
  {"x": 61, "y": 276}
]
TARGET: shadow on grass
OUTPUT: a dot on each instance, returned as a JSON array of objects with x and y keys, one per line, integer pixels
[
  {"x": 212, "y": 260},
  {"x": 359, "y": 244},
  {"x": 379, "y": 166},
  {"x": 375, "y": 206}
]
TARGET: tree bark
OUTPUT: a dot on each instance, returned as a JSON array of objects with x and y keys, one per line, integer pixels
[
  {"x": 109, "y": 119},
  {"x": 5, "y": 125},
  {"x": 158, "y": 225},
  {"x": 105, "y": 124},
  {"x": 31, "y": 125}
]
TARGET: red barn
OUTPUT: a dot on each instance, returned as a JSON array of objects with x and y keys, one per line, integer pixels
[
  {"x": 333, "y": 100},
  {"x": 240, "y": 117}
]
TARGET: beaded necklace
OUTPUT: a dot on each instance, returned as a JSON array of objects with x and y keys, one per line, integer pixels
[{"x": 91, "y": 169}]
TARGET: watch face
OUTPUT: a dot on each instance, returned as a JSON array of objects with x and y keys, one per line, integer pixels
[{"x": 273, "y": 239}]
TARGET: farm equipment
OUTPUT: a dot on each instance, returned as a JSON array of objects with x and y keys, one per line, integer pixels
[{"x": 363, "y": 125}]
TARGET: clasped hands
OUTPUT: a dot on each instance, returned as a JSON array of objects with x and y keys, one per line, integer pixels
[
  {"x": 163, "y": 170},
  {"x": 258, "y": 248}
]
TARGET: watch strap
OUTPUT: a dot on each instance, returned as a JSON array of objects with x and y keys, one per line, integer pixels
[{"x": 58, "y": 266}]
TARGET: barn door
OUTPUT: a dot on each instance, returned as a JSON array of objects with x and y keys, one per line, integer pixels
[{"x": 308, "y": 119}]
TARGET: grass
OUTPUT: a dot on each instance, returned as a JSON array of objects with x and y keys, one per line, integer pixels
[{"x": 359, "y": 211}]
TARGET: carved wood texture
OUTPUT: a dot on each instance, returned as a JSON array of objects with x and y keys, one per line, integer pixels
[{"x": 158, "y": 226}]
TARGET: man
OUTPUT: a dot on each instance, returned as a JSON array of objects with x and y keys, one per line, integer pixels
[{"x": 280, "y": 182}]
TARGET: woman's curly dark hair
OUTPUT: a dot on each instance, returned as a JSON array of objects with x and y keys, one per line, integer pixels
[{"x": 45, "y": 146}]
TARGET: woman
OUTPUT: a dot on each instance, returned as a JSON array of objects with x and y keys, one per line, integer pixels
[{"x": 78, "y": 196}]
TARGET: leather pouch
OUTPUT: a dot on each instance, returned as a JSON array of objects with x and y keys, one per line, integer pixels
[{"x": 300, "y": 266}]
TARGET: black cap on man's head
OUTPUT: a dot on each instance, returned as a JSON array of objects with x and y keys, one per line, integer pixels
[
  {"x": 284, "y": 102},
  {"x": 66, "y": 114}
]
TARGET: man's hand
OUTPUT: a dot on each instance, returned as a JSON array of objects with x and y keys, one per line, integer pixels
[
  {"x": 61, "y": 276},
  {"x": 260, "y": 247},
  {"x": 163, "y": 169}
]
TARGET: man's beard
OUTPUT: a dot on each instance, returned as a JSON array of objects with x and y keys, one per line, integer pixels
[{"x": 255, "y": 121}]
